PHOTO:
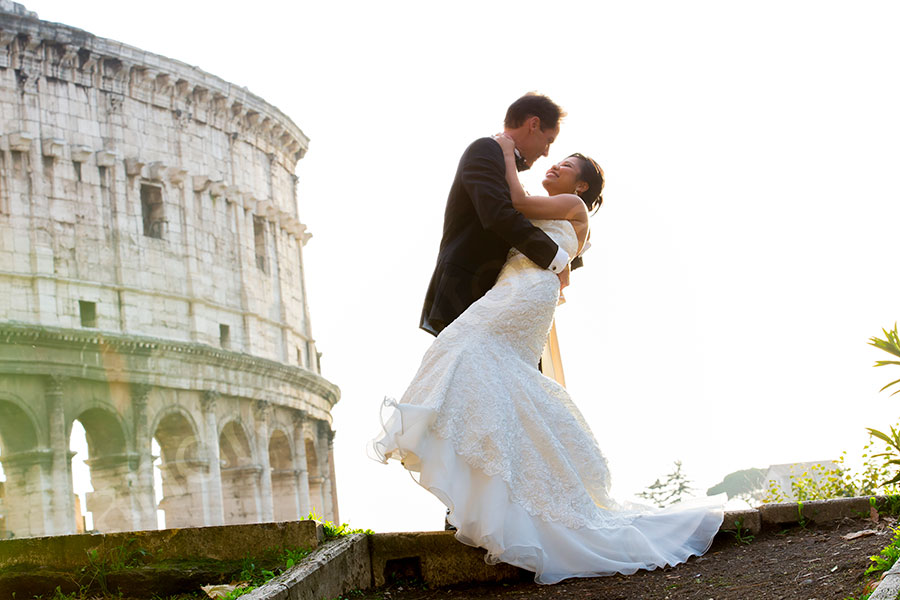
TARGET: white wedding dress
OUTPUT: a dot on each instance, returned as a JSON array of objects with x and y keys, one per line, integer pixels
[{"x": 506, "y": 450}]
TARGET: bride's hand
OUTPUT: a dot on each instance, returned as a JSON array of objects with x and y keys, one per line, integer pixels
[{"x": 506, "y": 143}]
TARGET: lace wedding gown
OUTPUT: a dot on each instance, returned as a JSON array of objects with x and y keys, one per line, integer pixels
[{"x": 506, "y": 450}]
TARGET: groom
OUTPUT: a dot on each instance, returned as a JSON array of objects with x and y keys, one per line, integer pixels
[{"x": 480, "y": 223}]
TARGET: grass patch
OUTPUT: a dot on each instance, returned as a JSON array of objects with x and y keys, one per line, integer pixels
[{"x": 333, "y": 531}]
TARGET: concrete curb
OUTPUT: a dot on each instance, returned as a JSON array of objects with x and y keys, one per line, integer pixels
[
  {"x": 818, "y": 511},
  {"x": 790, "y": 513}
]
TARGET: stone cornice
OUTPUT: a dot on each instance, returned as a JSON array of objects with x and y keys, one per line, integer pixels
[
  {"x": 15, "y": 333},
  {"x": 43, "y": 48}
]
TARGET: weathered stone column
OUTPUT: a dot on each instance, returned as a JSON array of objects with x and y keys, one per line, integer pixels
[
  {"x": 266, "y": 510},
  {"x": 183, "y": 492},
  {"x": 29, "y": 490},
  {"x": 215, "y": 507},
  {"x": 113, "y": 503},
  {"x": 300, "y": 468},
  {"x": 62, "y": 494},
  {"x": 145, "y": 499},
  {"x": 325, "y": 470},
  {"x": 243, "y": 227},
  {"x": 333, "y": 478}
]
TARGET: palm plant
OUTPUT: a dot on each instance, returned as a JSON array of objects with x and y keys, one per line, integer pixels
[{"x": 892, "y": 345}]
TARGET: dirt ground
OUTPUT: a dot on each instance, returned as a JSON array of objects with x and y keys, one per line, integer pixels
[{"x": 812, "y": 563}]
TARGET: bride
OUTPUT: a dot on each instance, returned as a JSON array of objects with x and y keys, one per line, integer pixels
[{"x": 504, "y": 447}]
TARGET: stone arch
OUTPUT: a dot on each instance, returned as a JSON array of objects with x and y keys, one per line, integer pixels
[
  {"x": 280, "y": 451},
  {"x": 18, "y": 440},
  {"x": 112, "y": 469},
  {"x": 315, "y": 477},
  {"x": 104, "y": 430},
  {"x": 241, "y": 502},
  {"x": 18, "y": 432},
  {"x": 284, "y": 478},
  {"x": 182, "y": 471},
  {"x": 171, "y": 409},
  {"x": 180, "y": 434},
  {"x": 235, "y": 447},
  {"x": 286, "y": 429}
]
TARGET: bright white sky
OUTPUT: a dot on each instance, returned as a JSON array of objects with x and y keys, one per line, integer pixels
[{"x": 746, "y": 250}]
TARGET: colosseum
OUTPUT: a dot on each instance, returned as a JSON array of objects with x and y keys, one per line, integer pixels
[{"x": 151, "y": 288}]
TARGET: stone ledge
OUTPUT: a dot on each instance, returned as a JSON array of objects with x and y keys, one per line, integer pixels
[
  {"x": 819, "y": 511},
  {"x": 437, "y": 558},
  {"x": 788, "y": 513},
  {"x": 226, "y": 542}
]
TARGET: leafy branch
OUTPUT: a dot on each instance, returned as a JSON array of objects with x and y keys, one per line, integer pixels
[{"x": 893, "y": 441}]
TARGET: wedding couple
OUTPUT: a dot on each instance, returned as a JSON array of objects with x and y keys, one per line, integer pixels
[{"x": 500, "y": 444}]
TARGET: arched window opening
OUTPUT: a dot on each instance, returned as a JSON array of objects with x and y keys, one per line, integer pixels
[
  {"x": 285, "y": 492},
  {"x": 156, "y": 452},
  {"x": 107, "y": 486},
  {"x": 81, "y": 477},
  {"x": 178, "y": 474},
  {"x": 316, "y": 500},
  {"x": 241, "y": 500}
]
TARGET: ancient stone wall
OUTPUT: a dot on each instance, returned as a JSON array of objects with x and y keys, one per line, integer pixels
[{"x": 151, "y": 286}]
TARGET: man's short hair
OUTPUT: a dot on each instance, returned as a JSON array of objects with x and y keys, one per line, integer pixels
[{"x": 533, "y": 104}]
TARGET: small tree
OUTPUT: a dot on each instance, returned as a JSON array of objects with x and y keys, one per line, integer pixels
[{"x": 675, "y": 488}]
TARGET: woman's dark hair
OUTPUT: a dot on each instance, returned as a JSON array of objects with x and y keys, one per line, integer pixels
[
  {"x": 591, "y": 173},
  {"x": 533, "y": 104}
]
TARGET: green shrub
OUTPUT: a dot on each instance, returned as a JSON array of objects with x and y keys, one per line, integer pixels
[{"x": 820, "y": 483}]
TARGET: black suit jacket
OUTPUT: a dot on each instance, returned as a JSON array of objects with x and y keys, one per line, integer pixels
[{"x": 480, "y": 226}]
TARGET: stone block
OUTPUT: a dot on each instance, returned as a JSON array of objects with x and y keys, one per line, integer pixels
[
  {"x": 217, "y": 188},
  {"x": 156, "y": 170},
  {"x": 20, "y": 141},
  {"x": 748, "y": 520},
  {"x": 21, "y": 262},
  {"x": 133, "y": 167},
  {"x": 176, "y": 175},
  {"x": 106, "y": 158},
  {"x": 330, "y": 572},
  {"x": 779, "y": 513},
  {"x": 80, "y": 154},
  {"x": 43, "y": 259},
  {"x": 435, "y": 557},
  {"x": 6, "y": 259},
  {"x": 53, "y": 147}
]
